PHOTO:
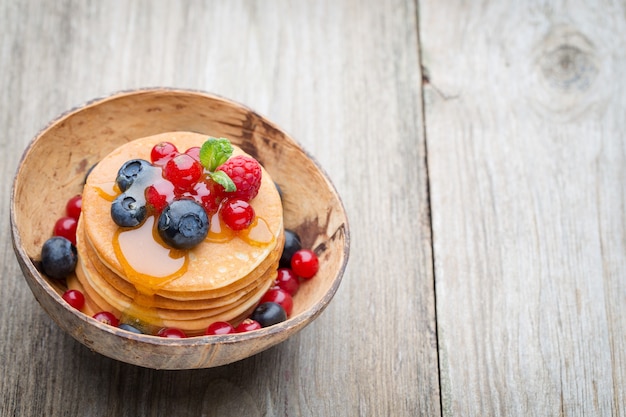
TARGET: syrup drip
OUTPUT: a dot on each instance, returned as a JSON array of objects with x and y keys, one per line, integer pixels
[
  {"x": 218, "y": 231},
  {"x": 108, "y": 190},
  {"x": 147, "y": 261},
  {"x": 258, "y": 234},
  {"x": 149, "y": 264}
]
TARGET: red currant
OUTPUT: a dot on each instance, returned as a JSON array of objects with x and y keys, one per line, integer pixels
[
  {"x": 160, "y": 194},
  {"x": 194, "y": 152},
  {"x": 106, "y": 318},
  {"x": 247, "y": 326},
  {"x": 207, "y": 193},
  {"x": 163, "y": 152},
  {"x": 304, "y": 263},
  {"x": 287, "y": 280},
  {"x": 172, "y": 333},
  {"x": 183, "y": 171},
  {"x": 74, "y": 298},
  {"x": 279, "y": 296},
  {"x": 66, "y": 227},
  {"x": 74, "y": 206},
  {"x": 219, "y": 327},
  {"x": 237, "y": 214}
]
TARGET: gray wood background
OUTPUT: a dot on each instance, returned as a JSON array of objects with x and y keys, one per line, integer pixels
[{"x": 479, "y": 148}]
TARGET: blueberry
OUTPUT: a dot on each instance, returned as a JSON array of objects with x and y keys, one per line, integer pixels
[
  {"x": 268, "y": 314},
  {"x": 183, "y": 224},
  {"x": 130, "y": 171},
  {"x": 292, "y": 245},
  {"x": 58, "y": 257},
  {"x": 126, "y": 211},
  {"x": 129, "y": 328}
]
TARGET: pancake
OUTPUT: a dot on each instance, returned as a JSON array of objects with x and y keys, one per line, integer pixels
[
  {"x": 191, "y": 326},
  {"x": 168, "y": 299},
  {"x": 223, "y": 296},
  {"x": 135, "y": 276},
  {"x": 141, "y": 307},
  {"x": 211, "y": 265}
]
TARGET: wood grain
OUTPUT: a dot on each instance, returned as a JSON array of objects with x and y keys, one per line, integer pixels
[
  {"x": 526, "y": 155},
  {"x": 343, "y": 78}
]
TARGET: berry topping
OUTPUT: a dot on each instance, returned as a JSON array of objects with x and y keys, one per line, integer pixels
[
  {"x": 74, "y": 206},
  {"x": 245, "y": 172},
  {"x": 207, "y": 193},
  {"x": 219, "y": 327},
  {"x": 129, "y": 172},
  {"x": 126, "y": 211},
  {"x": 237, "y": 214},
  {"x": 279, "y": 296},
  {"x": 106, "y": 318},
  {"x": 268, "y": 314},
  {"x": 194, "y": 153},
  {"x": 129, "y": 328},
  {"x": 163, "y": 152},
  {"x": 213, "y": 153},
  {"x": 183, "y": 171},
  {"x": 287, "y": 280},
  {"x": 304, "y": 263},
  {"x": 247, "y": 325},
  {"x": 66, "y": 227},
  {"x": 58, "y": 257},
  {"x": 74, "y": 298},
  {"x": 159, "y": 194},
  {"x": 292, "y": 245},
  {"x": 172, "y": 333},
  {"x": 183, "y": 224}
]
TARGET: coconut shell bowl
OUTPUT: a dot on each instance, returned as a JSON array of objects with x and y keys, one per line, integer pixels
[{"x": 53, "y": 169}]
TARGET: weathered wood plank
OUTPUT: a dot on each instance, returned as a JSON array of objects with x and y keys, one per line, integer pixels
[
  {"x": 343, "y": 78},
  {"x": 526, "y": 154}
]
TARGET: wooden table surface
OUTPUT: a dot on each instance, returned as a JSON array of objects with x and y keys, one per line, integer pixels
[{"x": 480, "y": 151}]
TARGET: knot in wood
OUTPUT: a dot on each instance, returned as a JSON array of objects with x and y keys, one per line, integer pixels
[{"x": 568, "y": 68}]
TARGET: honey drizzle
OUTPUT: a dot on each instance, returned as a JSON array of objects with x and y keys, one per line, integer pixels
[
  {"x": 149, "y": 264},
  {"x": 107, "y": 190},
  {"x": 218, "y": 231},
  {"x": 258, "y": 233}
]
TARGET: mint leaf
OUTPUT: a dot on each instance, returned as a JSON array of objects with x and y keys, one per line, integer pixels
[
  {"x": 214, "y": 152},
  {"x": 224, "y": 180}
]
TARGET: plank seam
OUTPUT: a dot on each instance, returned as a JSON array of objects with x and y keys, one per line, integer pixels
[{"x": 425, "y": 80}]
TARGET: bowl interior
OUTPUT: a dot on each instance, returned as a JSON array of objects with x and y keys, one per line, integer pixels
[{"x": 53, "y": 169}]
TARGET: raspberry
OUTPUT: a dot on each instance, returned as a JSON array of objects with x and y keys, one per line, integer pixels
[{"x": 245, "y": 173}]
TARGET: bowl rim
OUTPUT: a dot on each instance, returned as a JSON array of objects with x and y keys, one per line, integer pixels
[{"x": 297, "y": 322}]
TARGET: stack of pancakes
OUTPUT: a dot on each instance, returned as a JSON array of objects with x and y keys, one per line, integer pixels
[{"x": 134, "y": 275}]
